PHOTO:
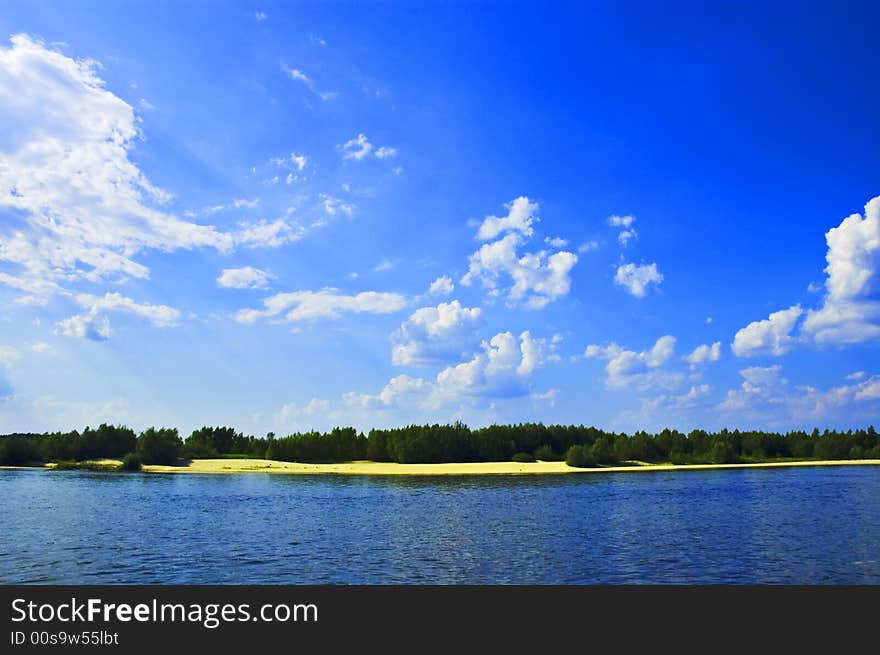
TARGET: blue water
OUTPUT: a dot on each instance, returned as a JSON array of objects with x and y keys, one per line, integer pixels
[{"x": 798, "y": 525}]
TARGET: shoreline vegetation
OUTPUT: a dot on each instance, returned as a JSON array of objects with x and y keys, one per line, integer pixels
[{"x": 456, "y": 449}]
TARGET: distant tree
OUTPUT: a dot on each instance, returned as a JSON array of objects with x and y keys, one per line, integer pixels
[
  {"x": 546, "y": 454},
  {"x": 580, "y": 456},
  {"x": 159, "y": 446},
  {"x": 131, "y": 462}
]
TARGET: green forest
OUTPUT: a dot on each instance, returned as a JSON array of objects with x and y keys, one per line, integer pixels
[{"x": 578, "y": 446}]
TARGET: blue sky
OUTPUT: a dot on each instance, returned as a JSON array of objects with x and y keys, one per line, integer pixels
[{"x": 290, "y": 216}]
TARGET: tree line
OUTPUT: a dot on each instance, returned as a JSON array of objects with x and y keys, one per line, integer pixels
[{"x": 578, "y": 445}]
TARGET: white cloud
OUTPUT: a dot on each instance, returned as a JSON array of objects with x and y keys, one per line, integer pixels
[
  {"x": 261, "y": 16},
  {"x": 299, "y": 76},
  {"x": 357, "y": 148},
  {"x": 94, "y": 324},
  {"x": 292, "y": 161},
  {"x": 86, "y": 210},
  {"x": 386, "y": 152},
  {"x": 246, "y": 277},
  {"x": 770, "y": 336},
  {"x": 240, "y": 203},
  {"x": 41, "y": 347},
  {"x": 637, "y": 278},
  {"x": 767, "y": 398},
  {"x": 433, "y": 334},
  {"x": 858, "y": 375},
  {"x": 621, "y": 221},
  {"x": 383, "y": 266},
  {"x": 850, "y": 312},
  {"x": 503, "y": 369},
  {"x": 442, "y": 286},
  {"x": 708, "y": 320},
  {"x": 639, "y": 370},
  {"x": 315, "y": 407},
  {"x": 588, "y": 246},
  {"x": 85, "y": 326},
  {"x": 556, "y": 242},
  {"x": 625, "y": 236},
  {"x": 326, "y": 303},
  {"x": 550, "y": 396},
  {"x": 267, "y": 234},
  {"x": 333, "y": 206},
  {"x": 401, "y": 391},
  {"x": 520, "y": 217},
  {"x": 704, "y": 354},
  {"x": 761, "y": 384},
  {"x": 64, "y": 165},
  {"x": 537, "y": 278}
]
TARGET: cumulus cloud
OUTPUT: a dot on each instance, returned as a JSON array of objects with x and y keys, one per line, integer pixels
[
  {"x": 433, "y": 334},
  {"x": 639, "y": 370},
  {"x": 333, "y": 206},
  {"x": 621, "y": 221},
  {"x": 556, "y": 242},
  {"x": 64, "y": 165},
  {"x": 315, "y": 407},
  {"x": 520, "y": 217},
  {"x": 246, "y": 277},
  {"x": 766, "y": 397},
  {"x": 386, "y": 152},
  {"x": 624, "y": 236},
  {"x": 94, "y": 323},
  {"x": 537, "y": 278},
  {"x": 770, "y": 336},
  {"x": 442, "y": 286},
  {"x": 761, "y": 384},
  {"x": 502, "y": 369},
  {"x": 359, "y": 148},
  {"x": 292, "y": 161},
  {"x": 299, "y": 306},
  {"x": 85, "y": 326},
  {"x": 588, "y": 246},
  {"x": 637, "y": 278},
  {"x": 850, "y": 312},
  {"x": 704, "y": 354},
  {"x": 401, "y": 391},
  {"x": 83, "y": 209}
]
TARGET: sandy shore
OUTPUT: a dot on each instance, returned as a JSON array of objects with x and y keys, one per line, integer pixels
[
  {"x": 229, "y": 466},
  {"x": 221, "y": 466}
]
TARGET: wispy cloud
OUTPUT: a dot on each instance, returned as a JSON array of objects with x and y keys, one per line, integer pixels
[{"x": 299, "y": 76}]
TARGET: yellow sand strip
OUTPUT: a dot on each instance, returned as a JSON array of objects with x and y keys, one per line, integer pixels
[
  {"x": 469, "y": 468},
  {"x": 228, "y": 466}
]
